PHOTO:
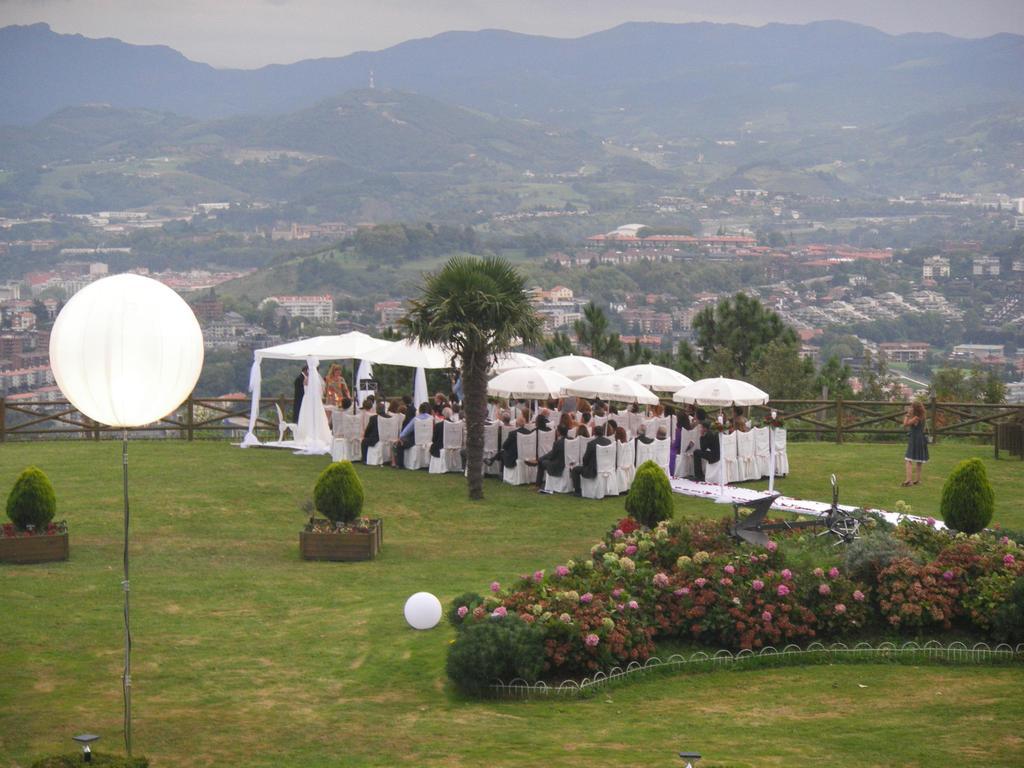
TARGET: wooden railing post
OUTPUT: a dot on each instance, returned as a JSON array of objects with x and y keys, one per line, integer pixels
[
  {"x": 3, "y": 419},
  {"x": 839, "y": 420},
  {"x": 189, "y": 417},
  {"x": 932, "y": 413}
]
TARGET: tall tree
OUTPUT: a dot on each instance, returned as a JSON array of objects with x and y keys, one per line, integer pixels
[
  {"x": 592, "y": 332},
  {"x": 476, "y": 309},
  {"x": 782, "y": 373},
  {"x": 735, "y": 333},
  {"x": 834, "y": 376}
]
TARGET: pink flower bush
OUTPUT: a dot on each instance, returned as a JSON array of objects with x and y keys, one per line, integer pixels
[
  {"x": 833, "y": 572},
  {"x": 782, "y": 591},
  {"x": 618, "y": 534},
  {"x": 660, "y": 580},
  {"x": 499, "y": 612},
  {"x": 630, "y": 550},
  {"x": 634, "y": 605},
  {"x": 538, "y": 575},
  {"x": 617, "y": 592},
  {"x": 681, "y": 591},
  {"x": 840, "y": 609},
  {"x": 725, "y": 582},
  {"x": 586, "y": 597},
  {"x": 858, "y": 596},
  {"x": 730, "y": 569},
  {"x": 766, "y": 616},
  {"x": 818, "y": 573},
  {"x": 787, "y": 574},
  {"x": 561, "y": 570},
  {"x": 463, "y": 610},
  {"x": 947, "y": 575},
  {"x": 824, "y": 589},
  {"x": 700, "y": 582},
  {"x": 771, "y": 546},
  {"x": 592, "y": 640},
  {"x": 757, "y": 585},
  {"x": 1008, "y": 560},
  {"x": 495, "y": 587},
  {"x": 931, "y": 522}
]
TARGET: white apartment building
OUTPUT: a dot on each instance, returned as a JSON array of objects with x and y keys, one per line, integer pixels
[
  {"x": 319, "y": 309},
  {"x": 935, "y": 268}
]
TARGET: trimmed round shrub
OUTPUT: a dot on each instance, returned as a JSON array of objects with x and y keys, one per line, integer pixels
[
  {"x": 338, "y": 493},
  {"x": 469, "y": 601},
  {"x": 967, "y": 498},
  {"x": 32, "y": 500},
  {"x": 649, "y": 500},
  {"x": 496, "y": 649}
]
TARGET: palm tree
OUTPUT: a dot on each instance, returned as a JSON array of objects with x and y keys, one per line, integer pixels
[{"x": 476, "y": 309}]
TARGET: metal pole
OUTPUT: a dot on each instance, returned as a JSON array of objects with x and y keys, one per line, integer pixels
[{"x": 127, "y": 677}]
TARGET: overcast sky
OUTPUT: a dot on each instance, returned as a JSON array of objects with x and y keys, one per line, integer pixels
[{"x": 252, "y": 33}]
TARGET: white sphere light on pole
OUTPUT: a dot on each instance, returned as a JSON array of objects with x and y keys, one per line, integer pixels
[{"x": 126, "y": 350}]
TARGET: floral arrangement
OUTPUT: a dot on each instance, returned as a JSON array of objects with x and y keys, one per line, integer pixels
[
  {"x": 9, "y": 530},
  {"x": 689, "y": 580},
  {"x": 774, "y": 421},
  {"x": 323, "y": 525}
]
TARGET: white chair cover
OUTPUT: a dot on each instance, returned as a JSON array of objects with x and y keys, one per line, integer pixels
[
  {"x": 625, "y": 464},
  {"x": 747, "y": 456},
  {"x": 644, "y": 452},
  {"x": 418, "y": 456},
  {"x": 454, "y": 439},
  {"x": 346, "y": 447},
  {"x": 492, "y": 444},
  {"x": 606, "y": 483},
  {"x": 545, "y": 441},
  {"x": 662, "y": 453},
  {"x": 684, "y": 461},
  {"x": 522, "y": 473},
  {"x": 573, "y": 451},
  {"x": 599, "y": 421},
  {"x": 729, "y": 457},
  {"x": 563, "y": 483},
  {"x": 781, "y": 457},
  {"x": 284, "y": 426},
  {"x": 761, "y": 450},
  {"x": 388, "y": 428}
]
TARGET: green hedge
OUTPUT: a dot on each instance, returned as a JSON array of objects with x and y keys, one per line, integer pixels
[
  {"x": 968, "y": 502},
  {"x": 649, "y": 500},
  {"x": 338, "y": 493}
]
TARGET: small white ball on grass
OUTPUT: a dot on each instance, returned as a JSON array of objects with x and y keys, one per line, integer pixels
[{"x": 423, "y": 611}]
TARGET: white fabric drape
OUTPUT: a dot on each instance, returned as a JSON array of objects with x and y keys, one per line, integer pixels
[
  {"x": 365, "y": 372},
  {"x": 255, "y": 382},
  {"x": 419, "y": 390},
  {"x": 314, "y": 433}
]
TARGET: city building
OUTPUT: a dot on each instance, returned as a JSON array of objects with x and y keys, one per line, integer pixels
[
  {"x": 319, "y": 309},
  {"x": 935, "y": 268},
  {"x": 904, "y": 351},
  {"x": 985, "y": 266},
  {"x": 977, "y": 351}
]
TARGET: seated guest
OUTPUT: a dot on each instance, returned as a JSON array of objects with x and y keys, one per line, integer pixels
[
  {"x": 552, "y": 462},
  {"x": 566, "y": 420},
  {"x": 641, "y": 435},
  {"x": 441, "y": 415},
  {"x": 582, "y": 431},
  {"x": 407, "y": 437},
  {"x": 588, "y": 464},
  {"x": 610, "y": 426},
  {"x": 510, "y": 448},
  {"x": 620, "y": 434},
  {"x": 709, "y": 450},
  {"x": 739, "y": 420},
  {"x": 661, "y": 434},
  {"x": 585, "y": 418},
  {"x": 371, "y": 435},
  {"x": 542, "y": 423}
]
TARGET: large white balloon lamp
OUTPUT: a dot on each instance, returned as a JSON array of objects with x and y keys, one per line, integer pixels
[
  {"x": 423, "y": 611},
  {"x": 126, "y": 351}
]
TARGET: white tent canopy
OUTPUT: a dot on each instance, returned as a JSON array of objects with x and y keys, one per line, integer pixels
[
  {"x": 347, "y": 346},
  {"x": 508, "y": 361},
  {"x": 611, "y": 386},
  {"x": 655, "y": 377},
  {"x": 528, "y": 384},
  {"x": 410, "y": 354}
]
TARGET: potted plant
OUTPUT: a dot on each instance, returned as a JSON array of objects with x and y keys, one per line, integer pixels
[
  {"x": 342, "y": 534},
  {"x": 32, "y": 536}
]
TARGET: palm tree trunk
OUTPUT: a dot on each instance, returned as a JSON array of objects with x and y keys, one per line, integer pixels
[{"x": 474, "y": 387}]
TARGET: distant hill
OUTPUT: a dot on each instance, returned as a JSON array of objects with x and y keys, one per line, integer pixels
[{"x": 636, "y": 80}]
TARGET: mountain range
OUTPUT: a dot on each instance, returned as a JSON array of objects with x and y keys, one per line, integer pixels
[{"x": 634, "y": 81}]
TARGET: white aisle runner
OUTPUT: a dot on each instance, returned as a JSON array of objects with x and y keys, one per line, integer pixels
[{"x": 782, "y": 503}]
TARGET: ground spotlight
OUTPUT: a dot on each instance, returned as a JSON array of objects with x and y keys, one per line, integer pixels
[
  {"x": 85, "y": 739},
  {"x": 690, "y": 758}
]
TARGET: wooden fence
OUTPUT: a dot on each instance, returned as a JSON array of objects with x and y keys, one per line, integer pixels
[{"x": 836, "y": 421}]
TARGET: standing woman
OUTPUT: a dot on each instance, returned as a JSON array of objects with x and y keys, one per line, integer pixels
[{"x": 917, "y": 443}]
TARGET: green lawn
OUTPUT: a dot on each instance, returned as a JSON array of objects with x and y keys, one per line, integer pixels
[{"x": 245, "y": 655}]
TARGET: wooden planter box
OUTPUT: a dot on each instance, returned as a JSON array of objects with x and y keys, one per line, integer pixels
[
  {"x": 45, "y": 548},
  {"x": 342, "y": 546}
]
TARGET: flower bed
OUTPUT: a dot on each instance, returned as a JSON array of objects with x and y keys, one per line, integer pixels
[
  {"x": 688, "y": 580},
  {"x": 360, "y": 539}
]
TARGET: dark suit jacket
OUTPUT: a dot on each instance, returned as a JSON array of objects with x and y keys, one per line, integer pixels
[
  {"x": 371, "y": 436},
  {"x": 588, "y": 465},
  {"x": 709, "y": 443},
  {"x": 554, "y": 460},
  {"x": 645, "y": 440},
  {"x": 510, "y": 448},
  {"x": 300, "y": 390},
  {"x": 437, "y": 439}
]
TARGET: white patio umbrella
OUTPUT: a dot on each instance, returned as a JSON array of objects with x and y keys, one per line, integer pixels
[
  {"x": 511, "y": 360},
  {"x": 656, "y": 377},
  {"x": 611, "y": 386},
  {"x": 528, "y": 384},
  {"x": 577, "y": 366},
  {"x": 721, "y": 392}
]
